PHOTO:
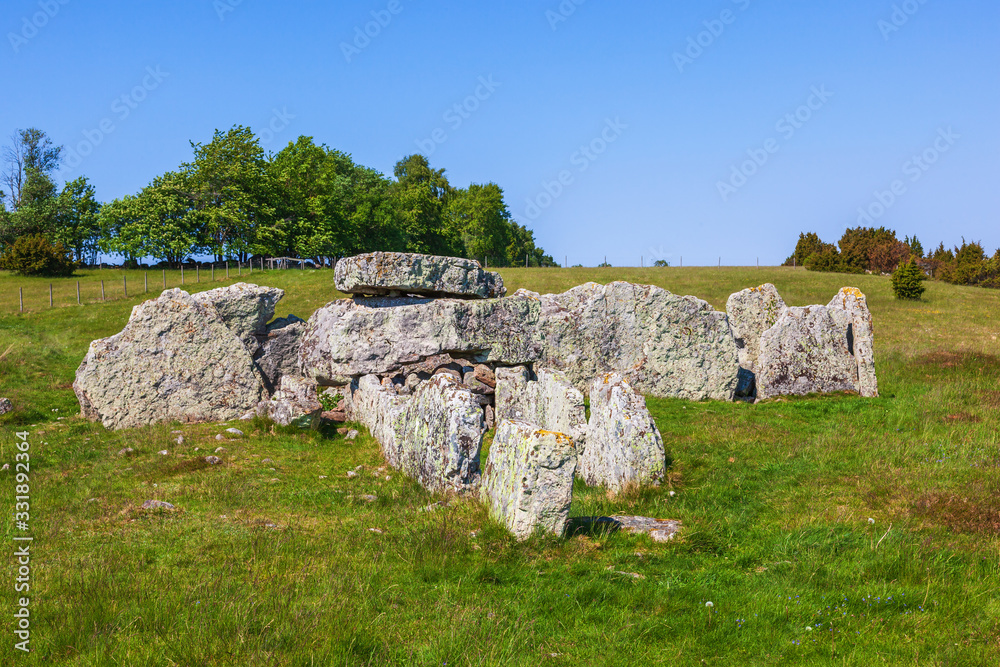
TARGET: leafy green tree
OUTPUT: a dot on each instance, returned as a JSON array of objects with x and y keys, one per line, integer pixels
[
  {"x": 233, "y": 192},
  {"x": 479, "y": 217},
  {"x": 825, "y": 259},
  {"x": 419, "y": 198},
  {"x": 77, "y": 223},
  {"x": 808, "y": 244},
  {"x": 661, "y": 263},
  {"x": 29, "y": 150},
  {"x": 522, "y": 245},
  {"x": 916, "y": 248},
  {"x": 907, "y": 281}
]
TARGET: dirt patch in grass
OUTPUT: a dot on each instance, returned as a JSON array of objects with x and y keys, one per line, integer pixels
[
  {"x": 962, "y": 417},
  {"x": 953, "y": 359},
  {"x": 958, "y": 513},
  {"x": 990, "y": 398}
]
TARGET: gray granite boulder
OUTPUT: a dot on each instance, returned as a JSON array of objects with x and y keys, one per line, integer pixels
[
  {"x": 624, "y": 448},
  {"x": 665, "y": 345},
  {"x": 295, "y": 403},
  {"x": 5, "y": 406},
  {"x": 279, "y": 349},
  {"x": 527, "y": 481},
  {"x": 244, "y": 308},
  {"x": 659, "y": 530},
  {"x": 751, "y": 312},
  {"x": 862, "y": 340},
  {"x": 399, "y": 274},
  {"x": 434, "y": 435},
  {"x": 808, "y": 350},
  {"x": 350, "y": 338},
  {"x": 549, "y": 401},
  {"x": 175, "y": 360}
]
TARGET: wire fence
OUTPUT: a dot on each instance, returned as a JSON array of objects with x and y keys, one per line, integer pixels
[{"x": 19, "y": 294}]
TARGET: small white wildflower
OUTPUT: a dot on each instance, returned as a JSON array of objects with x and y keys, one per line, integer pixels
[
  {"x": 871, "y": 520},
  {"x": 673, "y": 493},
  {"x": 809, "y": 628},
  {"x": 709, "y": 604}
]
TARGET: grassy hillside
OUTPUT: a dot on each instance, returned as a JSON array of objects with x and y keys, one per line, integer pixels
[{"x": 824, "y": 530}]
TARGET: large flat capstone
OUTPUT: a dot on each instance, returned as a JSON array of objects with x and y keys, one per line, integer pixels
[
  {"x": 528, "y": 478},
  {"x": 177, "y": 359},
  {"x": 399, "y": 273},
  {"x": 349, "y": 338}
]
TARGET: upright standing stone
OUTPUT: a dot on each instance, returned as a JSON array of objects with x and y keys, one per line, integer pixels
[
  {"x": 246, "y": 309},
  {"x": 550, "y": 401},
  {"x": 751, "y": 312},
  {"x": 664, "y": 344},
  {"x": 806, "y": 351},
  {"x": 399, "y": 273},
  {"x": 295, "y": 403},
  {"x": 175, "y": 360},
  {"x": 862, "y": 341},
  {"x": 624, "y": 448},
  {"x": 433, "y": 436},
  {"x": 279, "y": 349},
  {"x": 528, "y": 478}
]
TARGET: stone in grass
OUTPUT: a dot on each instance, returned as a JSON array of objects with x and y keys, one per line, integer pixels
[
  {"x": 295, "y": 403},
  {"x": 5, "y": 406},
  {"x": 854, "y": 301},
  {"x": 660, "y": 530},
  {"x": 213, "y": 460},
  {"x": 527, "y": 482},
  {"x": 398, "y": 273},
  {"x": 156, "y": 504},
  {"x": 175, "y": 360},
  {"x": 163, "y": 452},
  {"x": 808, "y": 350},
  {"x": 624, "y": 448},
  {"x": 548, "y": 400},
  {"x": 751, "y": 312},
  {"x": 125, "y": 451},
  {"x": 234, "y": 431}
]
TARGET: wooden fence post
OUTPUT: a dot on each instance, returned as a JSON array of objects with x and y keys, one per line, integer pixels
[
  {"x": 50, "y": 295},
  {"x": 227, "y": 269},
  {"x": 213, "y": 272},
  {"x": 102, "y": 290},
  {"x": 164, "y": 279},
  {"x": 145, "y": 281},
  {"x": 182, "y": 274},
  {"x": 20, "y": 297},
  {"x": 239, "y": 267},
  {"x": 197, "y": 273},
  {"x": 78, "y": 292},
  {"x": 125, "y": 285}
]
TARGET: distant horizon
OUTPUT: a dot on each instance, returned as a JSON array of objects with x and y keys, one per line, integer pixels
[{"x": 641, "y": 131}]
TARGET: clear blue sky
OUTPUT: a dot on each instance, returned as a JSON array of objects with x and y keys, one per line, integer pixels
[{"x": 673, "y": 129}]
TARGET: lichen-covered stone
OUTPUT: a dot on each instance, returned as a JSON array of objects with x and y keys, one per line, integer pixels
[
  {"x": 751, "y": 312},
  {"x": 433, "y": 436},
  {"x": 354, "y": 337},
  {"x": 5, "y": 406},
  {"x": 527, "y": 481},
  {"x": 398, "y": 273},
  {"x": 624, "y": 448},
  {"x": 175, "y": 360},
  {"x": 279, "y": 349},
  {"x": 244, "y": 308},
  {"x": 549, "y": 401},
  {"x": 665, "y": 345},
  {"x": 806, "y": 351},
  {"x": 295, "y": 403},
  {"x": 862, "y": 345}
]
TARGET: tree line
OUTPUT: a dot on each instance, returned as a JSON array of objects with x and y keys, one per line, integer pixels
[
  {"x": 234, "y": 201},
  {"x": 870, "y": 250}
]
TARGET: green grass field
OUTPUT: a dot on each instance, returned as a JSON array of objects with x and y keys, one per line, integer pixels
[{"x": 826, "y": 530}]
